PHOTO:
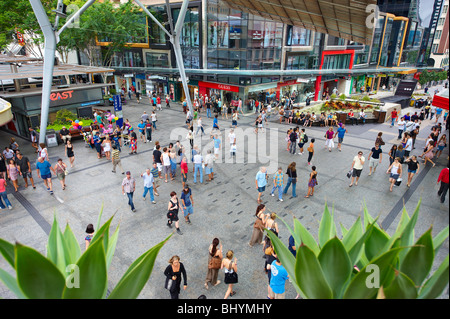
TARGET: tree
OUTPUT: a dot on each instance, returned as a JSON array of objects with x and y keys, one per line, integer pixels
[
  {"x": 366, "y": 262},
  {"x": 104, "y": 22}
]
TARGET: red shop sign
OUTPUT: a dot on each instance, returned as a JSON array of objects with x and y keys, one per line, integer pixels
[
  {"x": 61, "y": 96},
  {"x": 223, "y": 87}
]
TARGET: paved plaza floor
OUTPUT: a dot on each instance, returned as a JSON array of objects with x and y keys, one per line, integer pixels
[{"x": 223, "y": 208}]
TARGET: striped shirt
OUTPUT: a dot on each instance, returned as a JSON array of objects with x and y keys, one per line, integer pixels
[
  {"x": 115, "y": 154},
  {"x": 154, "y": 172}
]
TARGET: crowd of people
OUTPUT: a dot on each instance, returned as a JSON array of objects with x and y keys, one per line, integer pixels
[{"x": 170, "y": 164}]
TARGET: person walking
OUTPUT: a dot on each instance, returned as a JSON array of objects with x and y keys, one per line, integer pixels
[
  {"x": 148, "y": 131},
  {"x": 293, "y": 138},
  {"x": 23, "y": 163},
  {"x": 188, "y": 203},
  {"x": 209, "y": 166},
  {"x": 13, "y": 173},
  {"x": 357, "y": 167},
  {"x": 230, "y": 268},
  {"x": 441, "y": 144},
  {"x": 261, "y": 182},
  {"x": 278, "y": 278},
  {"x": 4, "y": 195},
  {"x": 149, "y": 185},
  {"x": 375, "y": 157},
  {"x": 272, "y": 225},
  {"x": 392, "y": 154},
  {"x": 401, "y": 125},
  {"x": 444, "y": 180},
  {"x": 43, "y": 168},
  {"x": 340, "y": 133},
  {"x": 310, "y": 150},
  {"x": 215, "y": 257},
  {"x": 165, "y": 160},
  {"x": 278, "y": 184},
  {"x": 173, "y": 273},
  {"x": 302, "y": 140},
  {"x": 291, "y": 172},
  {"x": 329, "y": 135},
  {"x": 428, "y": 154},
  {"x": 172, "y": 213},
  {"x": 115, "y": 159},
  {"x": 395, "y": 171},
  {"x": 200, "y": 126},
  {"x": 61, "y": 172},
  {"x": 258, "y": 226},
  {"x": 312, "y": 182},
  {"x": 394, "y": 117},
  {"x": 217, "y": 143},
  {"x": 413, "y": 168},
  {"x": 69, "y": 152},
  {"x": 198, "y": 162},
  {"x": 128, "y": 187},
  {"x": 184, "y": 170}
]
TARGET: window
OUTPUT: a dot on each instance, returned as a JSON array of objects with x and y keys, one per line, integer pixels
[
  {"x": 332, "y": 40},
  {"x": 157, "y": 60},
  {"x": 434, "y": 48},
  {"x": 298, "y": 37},
  {"x": 438, "y": 34},
  {"x": 157, "y": 35}
]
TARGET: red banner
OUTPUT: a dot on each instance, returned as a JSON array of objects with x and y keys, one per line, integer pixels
[{"x": 223, "y": 87}]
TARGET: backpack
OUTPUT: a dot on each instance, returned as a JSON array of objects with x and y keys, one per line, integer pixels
[
  {"x": 305, "y": 139},
  {"x": 293, "y": 137}
]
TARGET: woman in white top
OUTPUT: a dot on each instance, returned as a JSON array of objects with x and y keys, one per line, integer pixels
[
  {"x": 200, "y": 126},
  {"x": 42, "y": 152},
  {"x": 395, "y": 171},
  {"x": 165, "y": 159},
  {"x": 107, "y": 147}
]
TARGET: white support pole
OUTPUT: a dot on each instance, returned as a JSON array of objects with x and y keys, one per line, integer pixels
[
  {"x": 49, "y": 60},
  {"x": 75, "y": 16},
  {"x": 152, "y": 17},
  {"x": 175, "y": 40}
]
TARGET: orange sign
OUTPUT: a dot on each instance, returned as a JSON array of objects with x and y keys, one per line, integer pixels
[{"x": 61, "y": 96}]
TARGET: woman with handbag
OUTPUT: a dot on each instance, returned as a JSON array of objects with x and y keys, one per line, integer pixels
[
  {"x": 173, "y": 274},
  {"x": 61, "y": 172},
  {"x": 172, "y": 214},
  {"x": 258, "y": 226},
  {"x": 230, "y": 269},
  {"x": 215, "y": 257},
  {"x": 312, "y": 182},
  {"x": 395, "y": 171}
]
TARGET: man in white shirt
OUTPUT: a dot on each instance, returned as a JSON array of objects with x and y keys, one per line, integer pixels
[
  {"x": 232, "y": 137},
  {"x": 209, "y": 166},
  {"x": 401, "y": 127},
  {"x": 198, "y": 161},
  {"x": 149, "y": 184},
  {"x": 409, "y": 145},
  {"x": 8, "y": 153}
]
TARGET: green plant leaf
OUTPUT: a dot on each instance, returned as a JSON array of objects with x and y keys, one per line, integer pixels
[
  {"x": 440, "y": 238},
  {"x": 359, "y": 287},
  {"x": 99, "y": 218},
  {"x": 37, "y": 276},
  {"x": 11, "y": 283},
  {"x": 326, "y": 227},
  {"x": 112, "y": 246},
  {"x": 103, "y": 233},
  {"x": 418, "y": 261},
  {"x": 436, "y": 284},
  {"x": 7, "y": 250},
  {"x": 90, "y": 277},
  {"x": 73, "y": 251},
  {"x": 354, "y": 233},
  {"x": 407, "y": 236},
  {"x": 56, "y": 247},
  {"x": 367, "y": 218},
  {"x": 305, "y": 237},
  {"x": 309, "y": 275},
  {"x": 137, "y": 275},
  {"x": 344, "y": 230},
  {"x": 356, "y": 251},
  {"x": 375, "y": 243},
  {"x": 401, "y": 287},
  {"x": 336, "y": 265}
]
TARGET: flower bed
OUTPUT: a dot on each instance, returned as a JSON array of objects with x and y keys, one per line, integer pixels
[{"x": 334, "y": 106}]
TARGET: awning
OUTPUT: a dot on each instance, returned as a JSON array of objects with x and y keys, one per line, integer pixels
[
  {"x": 441, "y": 100},
  {"x": 346, "y": 19}
]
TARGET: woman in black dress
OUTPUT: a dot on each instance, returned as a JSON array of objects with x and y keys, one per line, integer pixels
[
  {"x": 172, "y": 214},
  {"x": 69, "y": 152},
  {"x": 173, "y": 274}
]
